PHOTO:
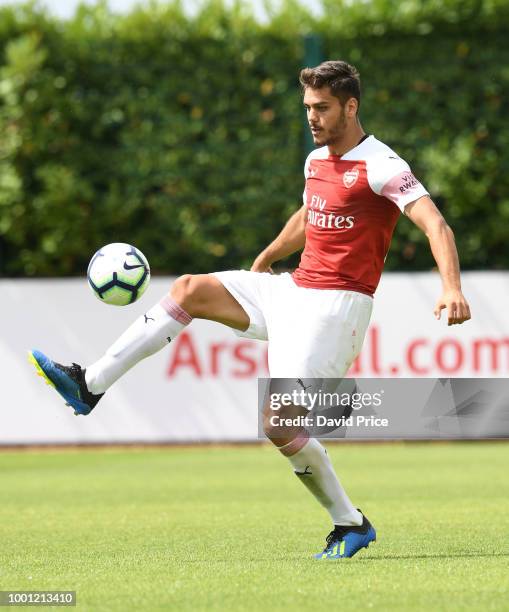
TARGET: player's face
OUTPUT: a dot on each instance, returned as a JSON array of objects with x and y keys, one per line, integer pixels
[{"x": 326, "y": 116}]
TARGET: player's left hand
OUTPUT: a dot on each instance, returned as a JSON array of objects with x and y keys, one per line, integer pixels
[{"x": 458, "y": 310}]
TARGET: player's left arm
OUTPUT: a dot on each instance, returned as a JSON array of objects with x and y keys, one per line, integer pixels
[{"x": 428, "y": 218}]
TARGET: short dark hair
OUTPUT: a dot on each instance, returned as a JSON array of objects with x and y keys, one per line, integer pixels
[{"x": 342, "y": 78}]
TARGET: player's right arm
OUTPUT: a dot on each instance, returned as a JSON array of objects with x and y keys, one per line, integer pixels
[{"x": 291, "y": 239}]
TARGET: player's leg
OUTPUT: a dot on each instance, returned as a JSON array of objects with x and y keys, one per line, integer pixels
[
  {"x": 307, "y": 455},
  {"x": 201, "y": 296},
  {"x": 313, "y": 347},
  {"x": 311, "y": 464},
  {"x": 204, "y": 296}
]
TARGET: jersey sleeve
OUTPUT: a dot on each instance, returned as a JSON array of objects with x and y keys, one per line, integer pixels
[
  {"x": 306, "y": 174},
  {"x": 391, "y": 177}
]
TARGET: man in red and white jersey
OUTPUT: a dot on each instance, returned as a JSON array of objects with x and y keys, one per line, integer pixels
[
  {"x": 352, "y": 202},
  {"x": 314, "y": 319}
]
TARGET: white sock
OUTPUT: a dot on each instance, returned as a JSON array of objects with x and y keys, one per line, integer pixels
[
  {"x": 147, "y": 335},
  {"x": 312, "y": 465}
]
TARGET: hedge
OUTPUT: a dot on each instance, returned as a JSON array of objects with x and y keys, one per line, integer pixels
[{"x": 184, "y": 135}]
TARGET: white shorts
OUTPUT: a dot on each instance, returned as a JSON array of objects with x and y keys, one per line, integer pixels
[{"x": 312, "y": 333}]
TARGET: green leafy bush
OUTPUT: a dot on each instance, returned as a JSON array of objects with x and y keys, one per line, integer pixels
[{"x": 184, "y": 135}]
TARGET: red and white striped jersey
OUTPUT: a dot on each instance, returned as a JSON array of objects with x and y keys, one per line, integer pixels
[{"x": 353, "y": 203}]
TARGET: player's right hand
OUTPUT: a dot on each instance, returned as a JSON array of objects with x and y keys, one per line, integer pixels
[{"x": 261, "y": 264}]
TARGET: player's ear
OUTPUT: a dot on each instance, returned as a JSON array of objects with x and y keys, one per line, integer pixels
[{"x": 351, "y": 107}]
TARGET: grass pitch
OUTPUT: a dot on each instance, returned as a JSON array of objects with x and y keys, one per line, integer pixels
[{"x": 212, "y": 528}]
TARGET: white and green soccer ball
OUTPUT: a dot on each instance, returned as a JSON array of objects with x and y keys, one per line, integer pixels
[{"x": 118, "y": 274}]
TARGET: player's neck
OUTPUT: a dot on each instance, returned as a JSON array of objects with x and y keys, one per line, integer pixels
[{"x": 350, "y": 140}]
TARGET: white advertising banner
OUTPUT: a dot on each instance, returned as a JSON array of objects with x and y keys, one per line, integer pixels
[{"x": 203, "y": 387}]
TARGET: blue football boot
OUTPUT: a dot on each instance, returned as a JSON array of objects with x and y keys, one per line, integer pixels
[
  {"x": 346, "y": 540},
  {"x": 69, "y": 381}
]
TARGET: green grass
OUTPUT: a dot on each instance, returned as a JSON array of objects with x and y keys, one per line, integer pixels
[{"x": 231, "y": 528}]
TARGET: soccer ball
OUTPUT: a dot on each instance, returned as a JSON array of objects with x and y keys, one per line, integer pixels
[{"x": 118, "y": 274}]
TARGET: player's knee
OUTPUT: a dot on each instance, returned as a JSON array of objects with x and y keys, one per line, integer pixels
[
  {"x": 182, "y": 291},
  {"x": 268, "y": 428},
  {"x": 272, "y": 428},
  {"x": 188, "y": 291},
  {"x": 180, "y": 288},
  {"x": 267, "y": 422}
]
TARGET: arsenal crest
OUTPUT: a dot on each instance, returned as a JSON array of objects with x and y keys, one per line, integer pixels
[{"x": 350, "y": 178}]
